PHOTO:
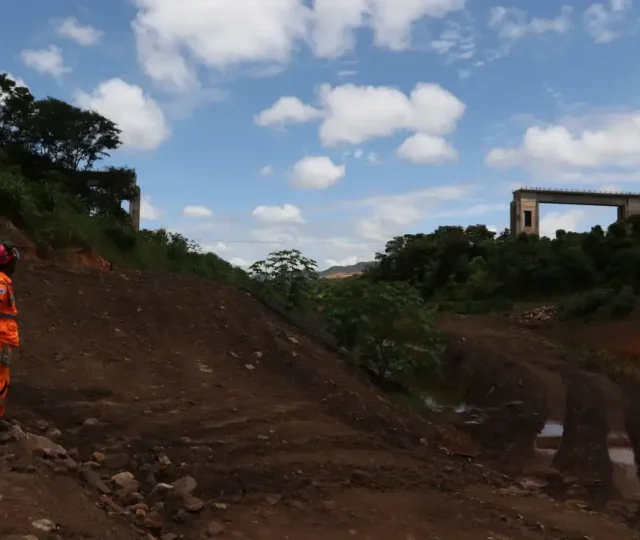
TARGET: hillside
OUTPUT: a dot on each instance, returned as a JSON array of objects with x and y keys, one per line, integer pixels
[
  {"x": 345, "y": 270},
  {"x": 161, "y": 379}
]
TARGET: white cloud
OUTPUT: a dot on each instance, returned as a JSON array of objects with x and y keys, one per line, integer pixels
[
  {"x": 423, "y": 149},
  {"x": 242, "y": 263},
  {"x": 141, "y": 120},
  {"x": 267, "y": 170},
  {"x": 347, "y": 261},
  {"x": 287, "y": 213},
  {"x": 393, "y": 214},
  {"x": 49, "y": 61},
  {"x": 347, "y": 73},
  {"x": 512, "y": 24},
  {"x": 456, "y": 42},
  {"x": 615, "y": 142},
  {"x": 355, "y": 114},
  {"x": 316, "y": 172},
  {"x": 603, "y": 22},
  {"x": 148, "y": 211},
  {"x": 197, "y": 211},
  {"x": 287, "y": 110},
  {"x": 568, "y": 221},
  {"x": 216, "y": 247},
  {"x": 374, "y": 158},
  {"x": 172, "y": 39},
  {"x": 84, "y": 35}
]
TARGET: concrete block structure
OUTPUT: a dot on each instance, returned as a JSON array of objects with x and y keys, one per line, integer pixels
[
  {"x": 525, "y": 207},
  {"x": 134, "y": 209}
]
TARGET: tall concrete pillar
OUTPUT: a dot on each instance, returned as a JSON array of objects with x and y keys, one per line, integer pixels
[
  {"x": 525, "y": 216},
  {"x": 134, "y": 210}
]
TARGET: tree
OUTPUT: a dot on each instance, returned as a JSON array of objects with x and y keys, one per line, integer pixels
[
  {"x": 387, "y": 326},
  {"x": 70, "y": 136},
  {"x": 287, "y": 274}
]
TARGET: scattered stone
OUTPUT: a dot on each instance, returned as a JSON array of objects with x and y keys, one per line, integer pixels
[
  {"x": 90, "y": 422},
  {"x": 160, "y": 492},
  {"x": 153, "y": 520},
  {"x": 250, "y": 367},
  {"x": 220, "y": 506},
  {"x": 54, "y": 433},
  {"x": 42, "y": 425},
  {"x": 192, "y": 504},
  {"x": 169, "y": 536},
  {"x": 185, "y": 485},
  {"x": 215, "y": 528},
  {"x": 273, "y": 499},
  {"x": 293, "y": 340},
  {"x": 17, "y": 433},
  {"x": 164, "y": 460},
  {"x": 44, "y": 525},
  {"x": 98, "y": 457},
  {"x": 530, "y": 484},
  {"x": 43, "y": 447},
  {"x": 263, "y": 437},
  {"x": 126, "y": 480},
  {"x": 92, "y": 478}
]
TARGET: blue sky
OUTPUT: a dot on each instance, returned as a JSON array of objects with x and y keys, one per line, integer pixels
[{"x": 331, "y": 126}]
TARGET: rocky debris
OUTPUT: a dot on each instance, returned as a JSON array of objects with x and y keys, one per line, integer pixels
[
  {"x": 536, "y": 316},
  {"x": 93, "y": 478},
  {"x": 116, "y": 461},
  {"x": 44, "y": 525},
  {"x": 185, "y": 485},
  {"x": 126, "y": 480},
  {"x": 90, "y": 422},
  {"x": 214, "y": 528}
]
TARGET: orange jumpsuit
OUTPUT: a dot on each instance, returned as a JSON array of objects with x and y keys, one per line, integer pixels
[{"x": 9, "y": 337}]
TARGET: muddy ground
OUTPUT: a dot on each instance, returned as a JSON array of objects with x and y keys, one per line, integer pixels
[{"x": 175, "y": 378}]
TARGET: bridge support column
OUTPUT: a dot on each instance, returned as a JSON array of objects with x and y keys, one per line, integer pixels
[
  {"x": 632, "y": 208},
  {"x": 134, "y": 210},
  {"x": 525, "y": 216}
]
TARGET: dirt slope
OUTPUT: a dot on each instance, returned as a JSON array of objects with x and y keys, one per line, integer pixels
[{"x": 170, "y": 378}]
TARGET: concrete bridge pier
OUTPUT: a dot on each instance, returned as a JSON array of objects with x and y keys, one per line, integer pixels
[
  {"x": 525, "y": 207},
  {"x": 134, "y": 209}
]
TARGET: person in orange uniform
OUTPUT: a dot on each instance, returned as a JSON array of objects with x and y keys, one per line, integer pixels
[{"x": 9, "y": 338}]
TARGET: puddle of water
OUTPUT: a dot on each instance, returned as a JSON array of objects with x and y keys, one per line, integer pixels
[
  {"x": 436, "y": 404},
  {"x": 620, "y": 452}
]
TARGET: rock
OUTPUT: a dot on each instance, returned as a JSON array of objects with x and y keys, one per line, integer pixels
[
  {"x": 192, "y": 504},
  {"x": 54, "y": 433},
  {"x": 5, "y": 437},
  {"x": 169, "y": 536},
  {"x": 164, "y": 460},
  {"x": 273, "y": 499},
  {"x": 129, "y": 495},
  {"x": 293, "y": 340},
  {"x": 530, "y": 484},
  {"x": 220, "y": 506},
  {"x": 98, "y": 457},
  {"x": 43, "y": 447},
  {"x": 250, "y": 367},
  {"x": 126, "y": 480},
  {"x": 17, "y": 433},
  {"x": 215, "y": 528},
  {"x": 185, "y": 485},
  {"x": 42, "y": 425},
  {"x": 153, "y": 520},
  {"x": 160, "y": 492},
  {"x": 90, "y": 422},
  {"x": 44, "y": 525},
  {"x": 92, "y": 477},
  {"x": 116, "y": 461}
]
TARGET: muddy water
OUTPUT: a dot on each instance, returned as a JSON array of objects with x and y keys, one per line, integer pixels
[{"x": 620, "y": 452}]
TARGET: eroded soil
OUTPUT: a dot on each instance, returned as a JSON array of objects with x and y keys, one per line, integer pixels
[{"x": 173, "y": 377}]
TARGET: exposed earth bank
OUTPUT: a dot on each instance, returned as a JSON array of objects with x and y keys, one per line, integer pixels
[{"x": 164, "y": 407}]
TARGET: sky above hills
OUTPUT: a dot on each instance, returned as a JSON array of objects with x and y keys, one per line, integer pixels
[{"x": 333, "y": 125}]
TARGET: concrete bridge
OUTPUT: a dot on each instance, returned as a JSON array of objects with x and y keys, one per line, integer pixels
[
  {"x": 134, "y": 210},
  {"x": 525, "y": 207}
]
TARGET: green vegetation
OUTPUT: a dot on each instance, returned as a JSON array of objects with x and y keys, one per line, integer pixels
[
  {"x": 473, "y": 270},
  {"x": 50, "y": 188}
]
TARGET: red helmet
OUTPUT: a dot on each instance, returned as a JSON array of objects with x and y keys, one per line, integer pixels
[{"x": 8, "y": 252}]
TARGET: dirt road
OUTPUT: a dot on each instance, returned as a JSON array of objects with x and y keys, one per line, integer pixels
[{"x": 179, "y": 378}]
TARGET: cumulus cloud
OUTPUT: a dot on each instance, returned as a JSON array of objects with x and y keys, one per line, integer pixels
[
  {"x": 423, "y": 149},
  {"x": 347, "y": 261},
  {"x": 197, "y": 212},
  {"x": 48, "y": 61},
  {"x": 513, "y": 24},
  {"x": 614, "y": 142},
  {"x": 287, "y": 110},
  {"x": 287, "y": 213},
  {"x": 603, "y": 22},
  {"x": 355, "y": 114},
  {"x": 172, "y": 41},
  {"x": 141, "y": 120},
  {"x": 568, "y": 221},
  {"x": 85, "y": 35},
  {"x": 316, "y": 172},
  {"x": 148, "y": 211}
]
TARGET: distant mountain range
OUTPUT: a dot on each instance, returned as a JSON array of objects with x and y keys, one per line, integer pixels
[{"x": 343, "y": 271}]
